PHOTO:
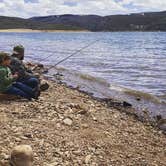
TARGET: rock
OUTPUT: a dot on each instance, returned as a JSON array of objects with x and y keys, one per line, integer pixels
[
  {"x": 82, "y": 112},
  {"x": 5, "y": 156},
  {"x": 58, "y": 125},
  {"x": 53, "y": 164},
  {"x": 87, "y": 159},
  {"x": 41, "y": 142},
  {"x": 126, "y": 104},
  {"x": 21, "y": 155},
  {"x": 162, "y": 124},
  {"x": 85, "y": 126},
  {"x": 44, "y": 86},
  {"x": 40, "y": 65},
  {"x": 73, "y": 105},
  {"x": 77, "y": 152},
  {"x": 138, "y": 99},
  {"x": 45, "y": 71},
  {"x": 94, "y": 118},
  {"x": 158, "y": 117},
  {"x": 28, "y": 135},
  {"x": 17, "y": 139},
  {"x": 68, "y": 121},
  {"x": 58, "y": 74}
]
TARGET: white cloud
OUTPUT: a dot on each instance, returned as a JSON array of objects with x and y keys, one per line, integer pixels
[{"x": 29, "y": 8}]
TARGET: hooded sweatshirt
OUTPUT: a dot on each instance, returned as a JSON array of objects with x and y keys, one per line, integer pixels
[
  {"x": 6, "y": 78},
  {"x": 19, "y": 67}
]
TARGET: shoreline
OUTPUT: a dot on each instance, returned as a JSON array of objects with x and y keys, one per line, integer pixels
[
  {"x": 68, "y": 127},
  {"x": 20, "y": 30},
  {"x": 38, "y": 31},
  {"x": 132, "y": 101}
]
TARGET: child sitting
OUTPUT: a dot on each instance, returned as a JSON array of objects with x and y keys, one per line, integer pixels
[{"x": 8, "y": 84}]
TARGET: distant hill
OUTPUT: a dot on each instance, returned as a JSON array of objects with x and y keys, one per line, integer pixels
[
  {"x": 152, "y": 21},
  {"x": 20, "y": 23},
  {"x": 89, "y": 22}
]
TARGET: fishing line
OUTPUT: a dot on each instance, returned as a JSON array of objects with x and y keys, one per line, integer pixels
[{"x": 76, "y": 52}]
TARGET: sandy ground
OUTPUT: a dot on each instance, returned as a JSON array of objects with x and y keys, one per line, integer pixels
[
  {"x": 31, "y": 30},
  {"x": 69, "y": 128}
]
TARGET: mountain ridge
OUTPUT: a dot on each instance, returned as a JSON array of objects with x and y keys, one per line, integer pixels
[{"x": 145, "y": 21}]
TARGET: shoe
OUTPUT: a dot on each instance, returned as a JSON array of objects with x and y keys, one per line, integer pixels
[{"x": 36, "y": 92}]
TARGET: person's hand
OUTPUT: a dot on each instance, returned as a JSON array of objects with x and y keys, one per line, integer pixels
[
  {"x": 15, "y": 75},
  {"x": 36, "y": 75}
]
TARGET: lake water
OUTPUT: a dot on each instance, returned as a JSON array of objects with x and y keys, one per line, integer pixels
[{"x": 120, "y": 64}]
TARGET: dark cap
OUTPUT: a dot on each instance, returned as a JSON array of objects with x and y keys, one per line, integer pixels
[{"x": 19, "y": 49}]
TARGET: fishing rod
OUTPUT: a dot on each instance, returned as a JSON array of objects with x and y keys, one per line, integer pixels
[
  {"x": 76, "y": 52},
  {"x": 64, "y": 52}
]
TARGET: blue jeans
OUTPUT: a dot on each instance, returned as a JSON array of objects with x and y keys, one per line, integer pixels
[
  {"x": 31, "y": 82},
  {"x": 20, "y": 89}
]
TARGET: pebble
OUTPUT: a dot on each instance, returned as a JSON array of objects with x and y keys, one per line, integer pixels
[
  {"x": 94, "y": 118},
  {"x": 87, "y": 159},
  {"x": 85, "y": 126},
  {"x": 5, "y": 156},
  {"x": 17, "y": 139},
  {"x": 53, "y": 164},
  {"x": 82, "y": 112},
  {"x": 28, "y": 135},
  {"x": 68, "y": 121}
]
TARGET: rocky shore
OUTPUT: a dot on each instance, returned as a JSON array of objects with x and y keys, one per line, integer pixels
[{"x": 66, "y": 127}]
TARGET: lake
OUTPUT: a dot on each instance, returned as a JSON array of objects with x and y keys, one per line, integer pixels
[{"x": 121, "y": 64}]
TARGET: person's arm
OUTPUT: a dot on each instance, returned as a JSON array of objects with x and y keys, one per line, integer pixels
[
  {"x": 18, "y": 66},
  {"x": 27, "y": 69}
]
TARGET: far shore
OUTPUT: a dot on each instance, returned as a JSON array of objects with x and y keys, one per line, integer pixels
[{"x": 31, "y": 30}]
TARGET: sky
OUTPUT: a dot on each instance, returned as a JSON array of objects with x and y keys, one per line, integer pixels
[{"x": 30, "y": 8}]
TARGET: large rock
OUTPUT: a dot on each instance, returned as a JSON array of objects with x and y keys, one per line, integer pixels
[
  {"x": 21, "y": 155},
  {"x": 44, "y": 86}
]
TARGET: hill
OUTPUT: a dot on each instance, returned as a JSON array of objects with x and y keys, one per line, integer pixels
[
  {"x": 20, "y": 23},
  {"x": 152, "y": 21}
]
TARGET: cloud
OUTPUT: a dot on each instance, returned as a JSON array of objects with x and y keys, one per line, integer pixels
[{"x": 29, "y": 8}]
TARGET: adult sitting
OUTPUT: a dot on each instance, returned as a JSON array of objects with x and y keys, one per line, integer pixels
[
  {"x": 8, "y": 83},
  {"x": 25, "y": 75}
]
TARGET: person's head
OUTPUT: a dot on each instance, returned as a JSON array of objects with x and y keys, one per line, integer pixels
[
  {"x": 5, "y": 59},
  {"x": 18, "y": 51}
]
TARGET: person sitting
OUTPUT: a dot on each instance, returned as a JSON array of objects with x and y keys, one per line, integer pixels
[
  {"x": 25, "y": 75},
  {"x": 8, "y": 83}
]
